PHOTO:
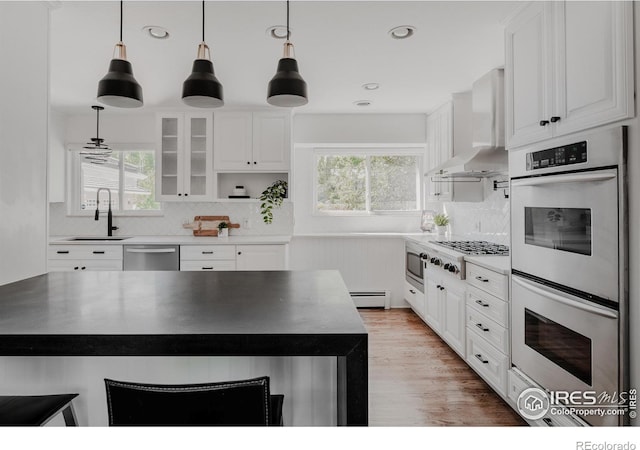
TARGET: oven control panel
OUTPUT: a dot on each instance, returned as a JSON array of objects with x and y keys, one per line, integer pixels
[{"x": 559, "y": 156}]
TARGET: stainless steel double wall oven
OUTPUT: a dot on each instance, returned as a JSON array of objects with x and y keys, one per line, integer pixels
[{"x": 569, "y": 264}]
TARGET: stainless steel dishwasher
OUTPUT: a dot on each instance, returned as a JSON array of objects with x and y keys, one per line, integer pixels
[{"x": 151, "y": 257}]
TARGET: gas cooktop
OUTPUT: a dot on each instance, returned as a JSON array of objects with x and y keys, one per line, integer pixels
[{"x": 475, "y": 247}]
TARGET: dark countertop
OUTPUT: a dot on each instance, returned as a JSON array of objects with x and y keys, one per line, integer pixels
[{"x": 98, "y": 303}]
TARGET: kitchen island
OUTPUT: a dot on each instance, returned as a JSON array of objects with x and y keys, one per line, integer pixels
[{"x": 175, "y": 314}]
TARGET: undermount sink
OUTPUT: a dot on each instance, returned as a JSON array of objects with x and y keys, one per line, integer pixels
[{"x": 103, "y": 238}]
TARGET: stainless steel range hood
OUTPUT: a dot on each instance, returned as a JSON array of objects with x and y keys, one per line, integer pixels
[{"x": 487, "y": 156}]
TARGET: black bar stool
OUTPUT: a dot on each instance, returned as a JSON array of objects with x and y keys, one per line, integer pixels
[
  {"x": 227, "y": 403},
  {"x": 36, "y": 410}
]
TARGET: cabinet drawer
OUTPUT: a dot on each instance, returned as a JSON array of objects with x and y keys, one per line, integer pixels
[
  {"x": 85, "y": 252},
  {"x": 211, "y": 265},
  {"x": 489, "y": 281},
  {"x": 207, "y": 252},
  {"x": 490, "y": 306},
  {"x": 414, "y": 297},
  {"x": 75, "y": 265},
  {"x": 516, "y": 385},
  {"x": 496, "y": 335},
  {"x": 487, "y": 361}
]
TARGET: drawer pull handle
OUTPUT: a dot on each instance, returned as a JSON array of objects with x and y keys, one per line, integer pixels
[
  {"x": 83, "y": 267},
  {"x": 75, "y": 268},
  {"x": 62, "y": 252},
  {"x": 412, "y": 291},
  {"x": 484, "y": 305},
  {"x": 207, "y": 268},
  {"x": 483, "y": 328},
  {"x": 479, "y": 356},
  {"x": 484, "y": 280},
  {"x": 96, "y": 252},
  {"x": 548, "y": 421},
  {"x": 207, "y": 252}
]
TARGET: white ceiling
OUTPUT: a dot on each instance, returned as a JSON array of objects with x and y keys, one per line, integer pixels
[{"x": 339, "y": 45}]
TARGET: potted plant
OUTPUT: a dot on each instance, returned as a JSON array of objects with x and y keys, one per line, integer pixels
[
  {"x": 272, "y": 197},
  {"x": 223, "y": 229},
  {"x": 441, "y": 221}
]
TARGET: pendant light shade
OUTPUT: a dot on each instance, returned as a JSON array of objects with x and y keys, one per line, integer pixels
[
  {"x": 202, "y": 89},
  {"x": 287, "y": 88},
  {"x": 118, "y": 87}
]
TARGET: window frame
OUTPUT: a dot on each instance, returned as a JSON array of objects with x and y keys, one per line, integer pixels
[
  {"x": 72, "y": 196},
  {"x": 367, "y": 151}
]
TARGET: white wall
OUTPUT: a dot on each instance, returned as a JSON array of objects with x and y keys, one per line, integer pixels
[
  {"x": 633, "y": 168},
  {"x": 24, "y": 90},
  {"x": 365, "y": 263},
  {"x": 116, "y": 129}
]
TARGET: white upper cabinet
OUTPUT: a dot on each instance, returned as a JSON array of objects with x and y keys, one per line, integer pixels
[
  {"x": 439, "y": 150},
  {"x": 569, "y": 67},
  {"x": 246, "y": 141},
  {"x": 183, "y": 159}
]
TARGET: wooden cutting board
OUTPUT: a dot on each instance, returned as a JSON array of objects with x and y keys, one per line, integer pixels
[{"x": 209, "y": 225}]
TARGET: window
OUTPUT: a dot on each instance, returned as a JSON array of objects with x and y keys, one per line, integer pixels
[
  {"x": 367, "y": 182},
  {"x": 129, "y": 174}
]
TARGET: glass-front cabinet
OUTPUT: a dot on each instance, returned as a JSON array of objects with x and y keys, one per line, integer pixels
[{"x": 184, "y": 160}]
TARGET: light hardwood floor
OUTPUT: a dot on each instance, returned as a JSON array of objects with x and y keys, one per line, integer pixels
[{"x": 415, "y": 379}]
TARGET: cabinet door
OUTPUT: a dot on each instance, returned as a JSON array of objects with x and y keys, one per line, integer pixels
[
  {"x": 261, "y": 257},
  {"x": 169, "y": 129},
  {"x": 84, "y": 265},
  {"x": 528, "y": 59},
  {"x": 232, "y": 141},
  {"x": 271, "y": 141},
  {"x": 198, "y": 146},
  {"x": 432, "y": 304},
  {"x": 593, "y": 64},
  {"x": 453, "y": 316}
]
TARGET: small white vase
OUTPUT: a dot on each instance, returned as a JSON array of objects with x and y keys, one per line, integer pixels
[
  {"x": 442, "y": 229},
  {"x": 223, "y": 232}
]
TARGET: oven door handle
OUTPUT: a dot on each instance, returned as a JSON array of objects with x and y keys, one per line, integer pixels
[
  {"x": 569, "y": 178},
  {"x": 561, "y": 299}
]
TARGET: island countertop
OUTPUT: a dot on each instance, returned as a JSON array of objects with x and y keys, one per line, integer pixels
[{"x": 278, "y": 313}]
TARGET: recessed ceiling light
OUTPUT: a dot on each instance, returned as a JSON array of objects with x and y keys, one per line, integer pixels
[
  {"x": 156, "y": 32},
  {"x": 371, "y": 86},
  {"x": 278, "y": 31},
  {"x": 362, "y": 103},
  {"x": 402, "y": 32}
]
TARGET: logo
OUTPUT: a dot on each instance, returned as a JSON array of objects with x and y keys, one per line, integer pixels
[{"x": 533, "y": 403}]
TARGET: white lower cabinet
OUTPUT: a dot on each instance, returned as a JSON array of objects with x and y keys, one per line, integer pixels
[
  {"x": 445, "y": 308},
  {"x": 261, "y": 257},
  {"x": 415, "y": 298},
  {"x": 487, "y": 361},
  {"x": 487, "y": 321},
  {"x": 233, "y": 257},
  {"x": 70, "y": 258}
]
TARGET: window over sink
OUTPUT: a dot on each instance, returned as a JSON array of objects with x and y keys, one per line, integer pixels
[
  {"x": 129, "y": 174},
  {"x": 361, "y": 182}
]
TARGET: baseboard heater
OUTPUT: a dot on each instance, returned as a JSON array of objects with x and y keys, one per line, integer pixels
[{"x": 371, "y": 299}]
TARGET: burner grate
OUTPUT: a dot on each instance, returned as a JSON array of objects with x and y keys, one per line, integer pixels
[{"x": 476, "y": 247}]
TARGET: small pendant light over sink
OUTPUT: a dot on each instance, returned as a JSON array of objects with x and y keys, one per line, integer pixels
[
  {"x": 202, "y": 89},
  {"x": 287, "y": 88},
  {"x": 118, "y": 87}
]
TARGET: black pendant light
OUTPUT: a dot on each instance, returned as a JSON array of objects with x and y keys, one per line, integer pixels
[
  {"x": 287, "y": 88},
  {"x": 202, "y": 89},
  {"x": 118, "y": 87},
  {"x": 96, "y": 151}
]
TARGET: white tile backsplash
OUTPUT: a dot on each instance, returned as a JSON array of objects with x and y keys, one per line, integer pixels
[
  {"x": 170, "y": 223},
  {"x": 487, "y": 220}
]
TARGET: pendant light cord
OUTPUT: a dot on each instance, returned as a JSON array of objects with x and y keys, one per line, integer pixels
[
  {"x": 202, "y": 20},
  {"x": 288, "y": 33},
  {"x": 121, "y": 2}
]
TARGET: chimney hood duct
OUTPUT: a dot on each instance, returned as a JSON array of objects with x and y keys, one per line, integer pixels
[{"x": 488, "y": 156}]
